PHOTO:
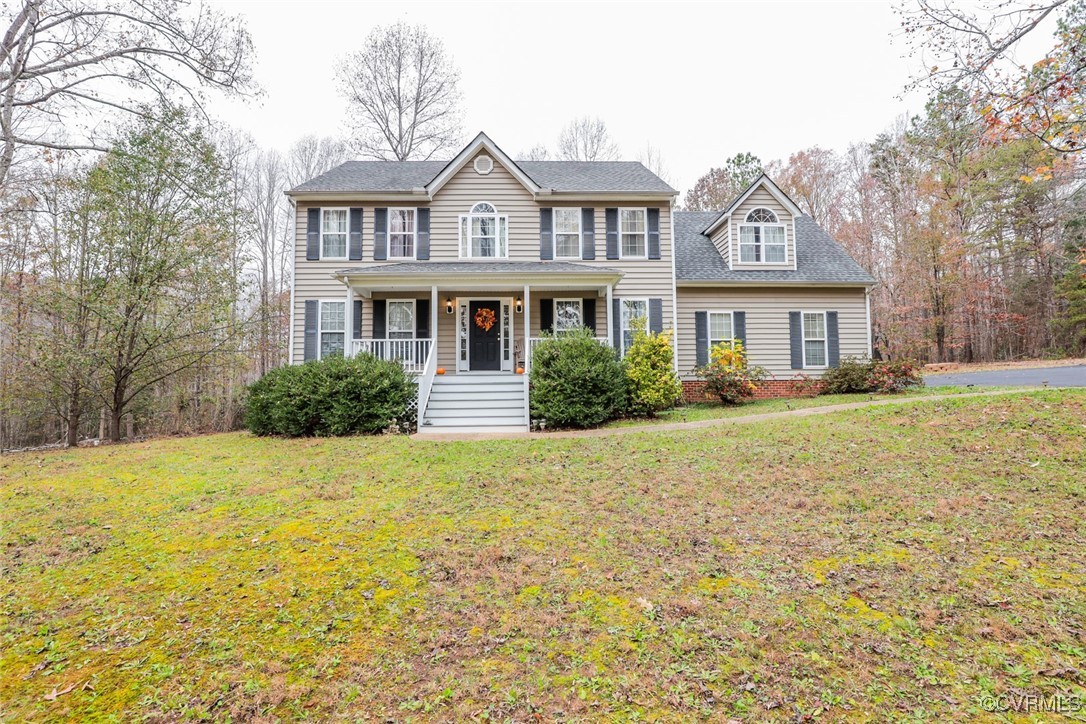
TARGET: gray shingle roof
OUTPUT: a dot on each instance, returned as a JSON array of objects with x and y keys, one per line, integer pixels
[
  {"x": 587, "y": 176},
  {"x": 819, "y": 259},
  {"x": 481, "y": 267}
]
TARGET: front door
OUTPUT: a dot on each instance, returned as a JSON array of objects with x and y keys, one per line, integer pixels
[{"x": 484, "y": 335}]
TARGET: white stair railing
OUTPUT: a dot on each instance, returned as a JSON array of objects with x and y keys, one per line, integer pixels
[{"x": 426, "y": 382}]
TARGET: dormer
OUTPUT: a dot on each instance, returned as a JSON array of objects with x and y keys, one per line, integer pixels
[{"x": 757, "y": 230}]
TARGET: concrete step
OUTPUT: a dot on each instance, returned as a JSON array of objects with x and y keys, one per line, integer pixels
[
  {"x": 471, "y": 429},
  {"x": 516, "y": 421}
]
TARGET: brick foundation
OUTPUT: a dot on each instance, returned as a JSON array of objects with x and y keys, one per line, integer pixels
[{"x": 694, "y": 390}]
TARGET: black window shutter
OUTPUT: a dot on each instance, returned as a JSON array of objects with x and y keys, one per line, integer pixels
[
  {"x": 701, "y": 337},
  {"x": 310, "y": 347},
  {"x": 589, "y": 311},
  {"x": 313, "y": 235},
  {"x": 588, "y": 234},
  {"x": 656, "y": 315},
  {"x": 380, "y": 234},
  {"x": 795, "y": 336},
  {"x": 739, "y": 328},
  {"x": 546, "y": 234},
  {"x": 355, "y": 245},
  {"x": 616, "y": 320},
  {"x": 356, "y": 319},
  {"x": 546, "y": 315},
  {"x": 379, "y": 319},
  {"x": 610, "y": 217},
  {"x": 833, "y": 342},
  {"x": 654, "y": 233},
  {"x": 422, "y": 234},
  {"x": 422, "y": 319}
]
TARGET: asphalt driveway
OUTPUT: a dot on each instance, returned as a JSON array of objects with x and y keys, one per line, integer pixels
[{"x": 1052, "y": 376}]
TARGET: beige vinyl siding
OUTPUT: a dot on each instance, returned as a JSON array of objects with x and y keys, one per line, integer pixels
[
  {"x": 762, "y": 198},
  {"x": 767, "y": 308},
  {"x": 722, "y": 239},
  {"x": 642, "y": 278}
]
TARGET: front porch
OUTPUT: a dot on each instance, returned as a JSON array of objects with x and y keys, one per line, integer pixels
[{"x": 473, "y": 320}]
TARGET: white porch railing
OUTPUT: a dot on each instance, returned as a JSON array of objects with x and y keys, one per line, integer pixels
[
  {"x": 533, "y": 341},
  {"x": 426, "y": 383},
  {"x": 413, "y": 354}
]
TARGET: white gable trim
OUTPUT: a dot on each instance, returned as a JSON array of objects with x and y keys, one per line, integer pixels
[
  {"x": 760, "y": 182},
  {"x": 482, "y": 141}
]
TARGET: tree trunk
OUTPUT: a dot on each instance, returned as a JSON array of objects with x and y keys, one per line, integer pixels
[{"x": 74, "y": 410}]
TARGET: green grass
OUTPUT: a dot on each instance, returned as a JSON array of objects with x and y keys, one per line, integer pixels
[
  {"x": 696, "y": 412},
  {"x": 894, "y": 563}
]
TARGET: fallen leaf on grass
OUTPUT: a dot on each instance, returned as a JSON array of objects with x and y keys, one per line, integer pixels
[{"x": 52, "y": 695}]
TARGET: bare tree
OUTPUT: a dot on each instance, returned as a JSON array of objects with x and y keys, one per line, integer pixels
[
  {"x": 651, "y": 157},
  {"x": 538, "y": 152},
  {"x": 403, "y": 94},
  {"x": 64, "y": 63},
  {"x": 586, "y": 139},
  {"x": 311, "y": 156}
]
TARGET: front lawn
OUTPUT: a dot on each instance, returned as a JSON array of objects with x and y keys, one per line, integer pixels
[{"x": 892, "y": 563}]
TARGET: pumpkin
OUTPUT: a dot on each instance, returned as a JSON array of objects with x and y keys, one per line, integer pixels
[
  {"x": 441, "y": 370},
  {"x": 520, "y": 370}
]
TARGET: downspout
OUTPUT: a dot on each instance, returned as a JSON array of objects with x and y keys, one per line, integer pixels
[
  {"x": 293, "y": 279},
  {"x": 674, "y": 294}
]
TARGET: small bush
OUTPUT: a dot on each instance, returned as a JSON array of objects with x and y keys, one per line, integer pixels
[
  {"x": 652, "y": 383},
  {"x": 576, "y": 381},
  {"x": 334, "y": 396},
  {"x": 728, "y": 377},
  {"x": 851, "y": 375},
  {"x": 861, "y": 375}
]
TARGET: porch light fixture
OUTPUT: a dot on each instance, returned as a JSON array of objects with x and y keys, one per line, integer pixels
[
  {"x": 448, "y": 305},
  {"x": 520, "y": 306}
]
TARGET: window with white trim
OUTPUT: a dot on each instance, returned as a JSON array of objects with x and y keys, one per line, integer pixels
[
  {"x": 401, "y": 233},
  {"x": 632, "y": 309},
  {"x": 814, "y": 339},
  {"x": 721, "y": 328},
  {"x": 633, "y": 235},
  {"x": 332, "y": 328},
  {"x": 333, "y": 233},
  {"x": 762, "y": 239},
  {"x": 567, "y": 233},
  {"x": 401, "y": 319},
  {"x": 568, "y": 315},
  {"x": 484, "y": 233}
]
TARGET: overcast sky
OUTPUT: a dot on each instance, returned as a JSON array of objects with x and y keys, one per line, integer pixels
[{"x": 700, "y": 81}]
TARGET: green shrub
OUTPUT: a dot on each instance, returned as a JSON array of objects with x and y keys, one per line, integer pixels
[
  {"x": 652, "y": 383},
  {"x": 576, "y": 381},
  {"x": 861, "y": 375},
  {"x": 334, "y": 396},
  {"x": 851, "y": 375},
  {"x": 728, "y": 377}
]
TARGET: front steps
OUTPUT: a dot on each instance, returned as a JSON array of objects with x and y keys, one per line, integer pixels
[{"x": 468, "y": 403}]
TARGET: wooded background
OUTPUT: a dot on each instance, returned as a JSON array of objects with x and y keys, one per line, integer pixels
[{"x": 145, "y": 262}]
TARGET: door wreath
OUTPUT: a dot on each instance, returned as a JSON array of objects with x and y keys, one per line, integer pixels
[{"x": 485, "y": 319}]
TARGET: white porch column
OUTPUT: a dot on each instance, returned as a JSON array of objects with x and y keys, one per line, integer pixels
[
  {"x": 610, "y": 306},
  {"x": 348, "y": 323},
  {"x": 434, "y": 319},
  {"x": 527, "y": 329}
]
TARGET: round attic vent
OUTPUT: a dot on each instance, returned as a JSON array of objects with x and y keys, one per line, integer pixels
[{"x": 483, "y": 165}]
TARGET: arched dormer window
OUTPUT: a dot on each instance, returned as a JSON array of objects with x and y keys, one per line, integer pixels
[
  {"x": 762, "y": 239},
  {"x": 484, "y": 233}
]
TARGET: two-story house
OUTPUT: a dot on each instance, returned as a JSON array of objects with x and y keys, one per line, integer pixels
[{"x": 456, "y": 267}]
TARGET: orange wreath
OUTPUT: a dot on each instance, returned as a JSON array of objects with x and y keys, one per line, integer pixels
[{"x": 485, "y": 319}]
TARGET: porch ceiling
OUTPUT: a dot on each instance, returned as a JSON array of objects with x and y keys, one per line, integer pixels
[{"x": 479, "y": 275}]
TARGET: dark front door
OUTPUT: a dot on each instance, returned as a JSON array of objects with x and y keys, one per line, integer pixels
[{"x": 484, "y": 343}]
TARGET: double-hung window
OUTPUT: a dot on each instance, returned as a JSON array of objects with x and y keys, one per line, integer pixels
[
  {"x": 332, "y": 328},
  {"x": 567, "y": 233},
  {"x": 568, "y": 315},
  {"x": 632, "y": 233},
  {"x": 484, "y": 233},
  {"x": 333, "y": 233},
  {"x": 762, "y": 239},
  {"x": 401, "y": 233},
  {"x": 721, "y": 328},
  {"x": 401, "y": 319},
  {"x": 632, "y": 309},
  {"x": 814, "y": 339}
]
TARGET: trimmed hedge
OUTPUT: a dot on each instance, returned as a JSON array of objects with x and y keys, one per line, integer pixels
[
  {"x": 862, "y": 375},
  {"x": 576, "y": 381},
  {"x": 334, "y": 396}
]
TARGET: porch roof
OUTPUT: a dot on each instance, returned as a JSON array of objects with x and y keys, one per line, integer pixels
[{"x": 479, "y": 274}]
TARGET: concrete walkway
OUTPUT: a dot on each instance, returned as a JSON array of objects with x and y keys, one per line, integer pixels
[{"x": 737, "y": 420}]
